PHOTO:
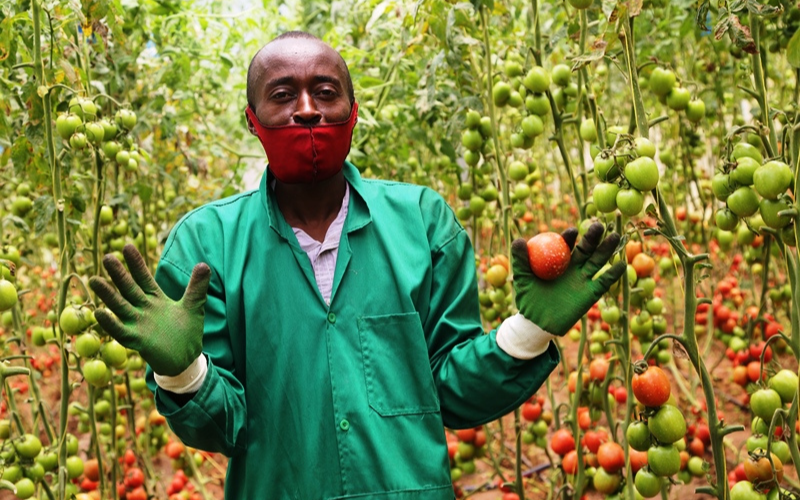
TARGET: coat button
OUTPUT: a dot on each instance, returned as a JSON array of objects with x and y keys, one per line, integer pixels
[
  {"x": 344, "y": 425},
  {"x": 331, "y": 318}
]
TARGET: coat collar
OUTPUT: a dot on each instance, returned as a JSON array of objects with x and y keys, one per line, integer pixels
[{"x": 358, "y": 214}]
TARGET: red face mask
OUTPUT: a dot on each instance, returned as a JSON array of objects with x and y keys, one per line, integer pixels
[{"x": 303, "y": 154}]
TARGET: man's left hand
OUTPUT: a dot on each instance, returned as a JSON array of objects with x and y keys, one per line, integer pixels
[{"x": 556, "y": 306}]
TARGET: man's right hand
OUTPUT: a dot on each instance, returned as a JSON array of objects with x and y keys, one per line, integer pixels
[{"x": 167, "y": 334}]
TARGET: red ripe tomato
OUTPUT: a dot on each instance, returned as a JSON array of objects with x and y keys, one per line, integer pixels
[
  {"x": 129, "y": 458},
  {"x": 467, "y": 435},
  {"x": 137, "y": 494},
  {"x": 703, "y": 433},
  {"x": 452, "y": 449},
  {"x": 754, "y": 371},
  {"x": 562, "y": 442},
  {"x": 771, "y": 329},
  {"x": 510, "y": 496},
  {"x": 740, "y": 376},
  {"x": 621, "y": 395},
  {"x": 651, "y": 388},
  {"x": 593, "y": 439},
  {"x": 638, "y": 459},
  {"x": 91, "y": 469},
  {"x": 480, "y": 438},
  {"x": 134, "y": 478},
  {"x": 548, "y": 255},
  {"x": 175, "y": 449},
  {"x": 531, "y": 411},
  {"x": 598, "y": 369},
  {"x": 584, "y": 420},
  {"x": 739, "y": 471},
  {"x": 696, "y": 447},
  {"x": 611, "y": 457},
  {"x": 570, "y": 462}
]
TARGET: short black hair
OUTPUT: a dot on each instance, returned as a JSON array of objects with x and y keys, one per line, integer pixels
[{"x": 253, "y": 73}]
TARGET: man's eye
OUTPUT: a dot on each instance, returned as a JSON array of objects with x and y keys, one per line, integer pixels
[{"x": 280, "y": 95}]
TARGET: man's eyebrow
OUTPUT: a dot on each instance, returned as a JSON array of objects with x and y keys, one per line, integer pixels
[{"x": 289, "y": 79}]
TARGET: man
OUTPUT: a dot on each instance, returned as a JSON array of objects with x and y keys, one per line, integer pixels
[{"x": 329, "y": 326}]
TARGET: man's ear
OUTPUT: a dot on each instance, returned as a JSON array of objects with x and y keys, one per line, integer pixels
[{"x": 250, "y": 126}]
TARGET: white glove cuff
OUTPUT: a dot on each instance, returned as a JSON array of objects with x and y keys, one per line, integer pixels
[
  {"x": 188, "y": 381},
  {"x": 521, "y": 338}
]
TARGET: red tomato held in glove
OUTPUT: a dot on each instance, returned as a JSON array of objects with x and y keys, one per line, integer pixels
[{"x": 549, "y": 255}]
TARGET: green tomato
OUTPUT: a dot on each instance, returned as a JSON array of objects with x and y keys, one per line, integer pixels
[
  {"x": 696, "y": 110},
  {"x": 605, "y": 168},
  {"x": 588, "y": 130},
  {"x": 96, "y": 372},
  {"x": 772, "y": 179},
  {"x": 8, "y": 295},
  {"x": 769, "y": 210},
  {"x": 744, "y": 490},
  {"x": 661, "y": 81},
  {"x": 501, "y": 93},
  {"x": 604, "y": 482},
  {"x": 642, "y": 173},
  {"x": 114, "y": 353},
  {"x": 785, "y": 383},
  {"x": 765, "y": 402},
  {"x": 538, "y": 104},
  {"x": 668, "y": 425},
  {"x": 28, "y": 446},
  {"x": 71, "y": 320},
  {"x": 744, "y": 149},
  {"x": 78, "y": 141},
  {"x": 630, "y": 202},
  {"x": 696, "y": 466},
  {"x": 644, "y": 147},
  {"x": 664, "y": 460},
  {"x": 638, "y": 436},
  {"x": 743, "y": 202},
  {"x": 470, "y": 139},
  {"x": 87, "y": 345},
  {"x": 25, "y": 488},
  {"x": 109, "y": 129},
  {"x": 125, "y": 119},
  {"x": 74, "y": 467},
  {"x": 561, "y": 75},
  {"x": 532, "y": 126},
  {"x": 111, "y": 148},
  {"x": 721, "y": 186},
  {"x": 678, "y": 98},
  {"x": 537, "y": 80},
  {"x": 94, "y": 132},
  {"x": 647, "y": 484},
  {"x": 605, "y": 197},
  {"x": 106, "y": 215},
  {"x": 67, "y": 124}
]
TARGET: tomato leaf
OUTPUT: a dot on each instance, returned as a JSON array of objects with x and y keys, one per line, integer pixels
[
  {"x": 702, "y": 13},
  {"x": 44, "y": 208},
  {"x": 762, "y": 10},
  {"x": 793, "y": 50}
]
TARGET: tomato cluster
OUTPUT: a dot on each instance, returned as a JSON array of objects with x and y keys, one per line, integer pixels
[
  {"x": 463, "y": 447},
  {"x": 496, "y": 299}
]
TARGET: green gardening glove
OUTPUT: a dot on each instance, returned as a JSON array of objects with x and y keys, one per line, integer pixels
[
  {"x": 167, "y": 334},
  {"x": 555, "y": 306}
]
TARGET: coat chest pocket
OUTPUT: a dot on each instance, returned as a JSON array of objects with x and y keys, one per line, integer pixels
[{"x": 396, "y": 365}]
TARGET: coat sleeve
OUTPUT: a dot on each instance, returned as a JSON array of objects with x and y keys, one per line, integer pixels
[
  {"x": 215, "y": 419},
  {"x": 476, "y": 380}
]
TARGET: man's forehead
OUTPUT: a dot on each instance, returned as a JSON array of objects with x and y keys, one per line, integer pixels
[{"x": 291, "y": 50}]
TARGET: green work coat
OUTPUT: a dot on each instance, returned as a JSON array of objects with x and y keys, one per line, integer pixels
[{"x": 347, "y": 400}]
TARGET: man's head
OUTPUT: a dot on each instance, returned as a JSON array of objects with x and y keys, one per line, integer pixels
[
  {"x": 301, "y": 107},
  {"x": 297, "y": 78}
]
